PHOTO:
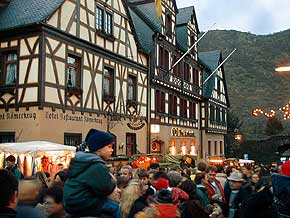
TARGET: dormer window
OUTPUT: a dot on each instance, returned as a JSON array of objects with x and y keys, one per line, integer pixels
[{"x": 168, "y": 25}]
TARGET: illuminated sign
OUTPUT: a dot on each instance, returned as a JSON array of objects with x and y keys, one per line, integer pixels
[{"x": 177, "y": 132}]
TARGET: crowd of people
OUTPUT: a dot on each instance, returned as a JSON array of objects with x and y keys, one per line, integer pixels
[{"x": 91, "y": 187}]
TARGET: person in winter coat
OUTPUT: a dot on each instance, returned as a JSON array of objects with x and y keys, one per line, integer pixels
[
  {"x": 89, "y": 182},
  {"x": 281, "y": 191},
  {"x": 8, "y": 193},
  {"x": 201, "y": 191},
  {"x": 12, "y": 166},
  {"x": 259, "y": 204}
]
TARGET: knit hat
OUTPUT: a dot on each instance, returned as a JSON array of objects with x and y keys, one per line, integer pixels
[
  {"x": 97, "y": 139},
  {"x": 161, "y": 183},
  {"x": 285, "y": 169}
]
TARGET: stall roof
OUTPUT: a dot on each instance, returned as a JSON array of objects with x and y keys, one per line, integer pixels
[{"x": 35, "y": 147}]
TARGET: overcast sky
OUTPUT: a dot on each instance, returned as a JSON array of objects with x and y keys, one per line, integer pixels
[{"x": 255, "y": 16}]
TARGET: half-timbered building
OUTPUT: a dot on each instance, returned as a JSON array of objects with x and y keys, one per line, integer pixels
[
  {"x": 214, "y": 105},
  {"x": 176, "y": 93},
  {"x": 70, "y": 65}
]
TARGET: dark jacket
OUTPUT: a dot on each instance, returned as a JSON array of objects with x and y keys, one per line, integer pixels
[
  {"x": 244, "y": 192},
  {"x": 258, "y": 205},
  {"x": 281, "y": 191},
  {"x": 6, "y": 212},
  {"x": 87, "y": 186},
  {"x": 138, "y": 206}
]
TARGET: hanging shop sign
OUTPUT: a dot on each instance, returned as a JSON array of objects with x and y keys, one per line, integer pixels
[
  {"x": 178, "y": 132},
  {"x": 136, "y": 122}
]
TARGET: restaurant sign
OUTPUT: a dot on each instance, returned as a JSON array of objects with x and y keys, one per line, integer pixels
[{"x": 178, "y": 132}]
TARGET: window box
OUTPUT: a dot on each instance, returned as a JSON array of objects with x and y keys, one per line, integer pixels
[
  {"x": 109, "y": 99},
  {"x": 74, "y": 90}
]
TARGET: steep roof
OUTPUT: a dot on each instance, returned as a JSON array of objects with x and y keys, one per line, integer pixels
[
  {"x": 24, "y": 12},
  {"x": 211, "y": 60},
  {"x": 145, "y": 22}
]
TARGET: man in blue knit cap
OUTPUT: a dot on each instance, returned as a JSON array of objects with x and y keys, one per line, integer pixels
[{"x": 89, "y": 182}]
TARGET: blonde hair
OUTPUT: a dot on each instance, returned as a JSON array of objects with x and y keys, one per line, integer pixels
[{"x": 131, "y": 193}]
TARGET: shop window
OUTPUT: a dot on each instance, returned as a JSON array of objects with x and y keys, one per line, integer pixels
[
  {"x": 131, "y": 147},
  {"x": 72, "y": 139},
  {"x": 108, "y": 87},
  {"x": 132, "y": 88},
  {"x": 6, "y": 137},
  {"x": 73, "y": 77},
  {"x": 8, "y": 67}
]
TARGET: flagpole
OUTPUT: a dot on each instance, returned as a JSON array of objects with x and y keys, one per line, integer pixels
[
  {"x": 190, "y": 49},
  {"x": 219, "y": 66}
]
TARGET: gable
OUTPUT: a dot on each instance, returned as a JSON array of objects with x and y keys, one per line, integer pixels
[{"x": 26, "y": 12}]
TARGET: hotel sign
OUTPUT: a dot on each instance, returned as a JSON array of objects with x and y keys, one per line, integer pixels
[{"x": 178, "y": 132}]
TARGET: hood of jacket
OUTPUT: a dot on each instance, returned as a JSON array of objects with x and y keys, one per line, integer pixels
[{"x": 82, "y": 161}]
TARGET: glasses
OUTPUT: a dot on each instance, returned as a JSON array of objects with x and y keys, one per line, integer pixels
[{"x": 48, "y": 204}]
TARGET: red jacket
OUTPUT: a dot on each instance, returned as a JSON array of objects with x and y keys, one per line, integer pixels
[
  {"x": 167, "y": 211},
  {"x": 211, "y": 191}
]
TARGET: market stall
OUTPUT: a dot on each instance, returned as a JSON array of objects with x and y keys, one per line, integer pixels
[{"x": 37, "y": 156}]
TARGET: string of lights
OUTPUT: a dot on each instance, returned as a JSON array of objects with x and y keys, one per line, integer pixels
[{"x": 285, "y": 110}]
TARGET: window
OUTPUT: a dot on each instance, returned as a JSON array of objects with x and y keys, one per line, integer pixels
[
  {"x": 221, "y": 148},
  {"x": 131, "y": 147},
  {"x": 209, "y": 147},
  {"x": 163, "y": 58},
  {"x": 218, "y": 115},
  {"x": 72, "y": 139},
  {"x": 172, "y": 105},
  {"x": 132, "y": 88},
  {"x": 73, "y": 77},
  {"x": 218, "y": 87},
  {"x": 186, "y": 72},
  {"x": 192, "y": 110},
  {"x": 108, "y": 24},
  {"x": 6, "y": 137},
  {"x": 212, "y": 114},
  {"x": 195, "y": 76},
  {"x": 108, "y": 88},
  {"x": 9, "y": 67},
  {"x": 176, "y": 69},
  {"x": 99, "y": 18},
  {"x": 160, "y": 101},
  {"x": 215, "y": 147},
  {"x": 104, "y": 21},
  {"x": 192, "y": 41},
  {"x": 183, "y": 108},
  {"x": 168, "y": 25},
  {"x": 166, "y": 59}
]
